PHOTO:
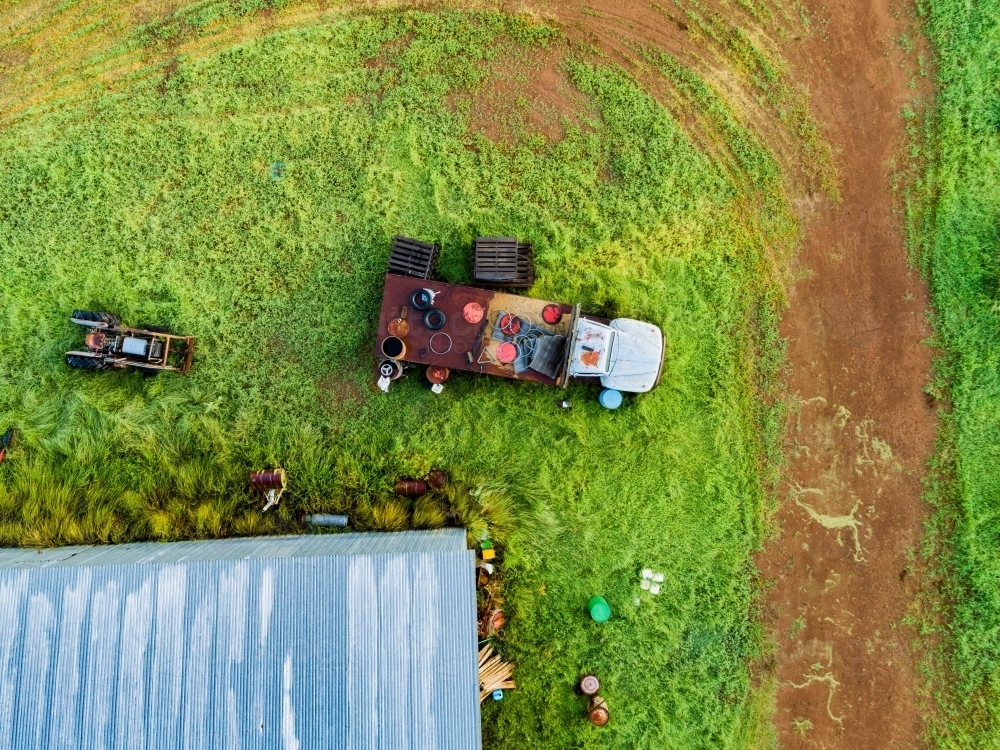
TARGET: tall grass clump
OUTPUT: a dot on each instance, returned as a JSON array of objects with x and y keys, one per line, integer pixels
[
  {"x": 955, "y": 222},
  {"x": 165, "y": 202}
]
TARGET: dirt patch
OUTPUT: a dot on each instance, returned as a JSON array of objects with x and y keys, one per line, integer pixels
[
  {"x": 340, "y": 395},
  {"x": 526, "y": 95},
  {"x": 388, "y": 52},
  {"x": 169, "y": 71}
]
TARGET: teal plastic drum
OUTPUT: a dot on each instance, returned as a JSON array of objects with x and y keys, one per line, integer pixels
[
  {"x": 610, "y": 398},
  {"x": 599, "y": 609}
]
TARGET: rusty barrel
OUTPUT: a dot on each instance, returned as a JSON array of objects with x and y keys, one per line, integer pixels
[
  {"x": 398, "y": 326},
  {"x": 437, "y": 374},
  {"x": 589, "y": 684},
  {"x": 390, "y": 368},
  {"x": 411, "y": 487},
  {"x": 269, "y": 479},
  {"x": 597, "y": 711},
  {"x": 437, "y": 479}
]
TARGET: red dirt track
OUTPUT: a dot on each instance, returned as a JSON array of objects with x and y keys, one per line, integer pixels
[
  {"x": 865, "y": 430},
  {"x": 851, "y": 509}
]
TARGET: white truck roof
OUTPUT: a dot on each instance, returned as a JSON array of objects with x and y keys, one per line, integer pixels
[{"x": 626, "y": 355}]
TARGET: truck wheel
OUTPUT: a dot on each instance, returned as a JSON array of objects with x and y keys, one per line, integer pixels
[
  {"x": 97, "y": 317},
  {"x": 85, "y": 363}
]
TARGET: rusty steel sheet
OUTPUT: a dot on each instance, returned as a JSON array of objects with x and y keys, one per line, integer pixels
[{"x": 471, "y": 347}]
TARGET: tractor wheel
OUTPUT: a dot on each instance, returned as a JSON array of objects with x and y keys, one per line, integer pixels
[
  {"x": 97, "y": 317},
  {"x": 147, "y": 372},
  {"x": 155, "y": 329},
  {"x": 85, "y": 363}
]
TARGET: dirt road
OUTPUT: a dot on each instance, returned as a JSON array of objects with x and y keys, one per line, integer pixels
[{"x": 851, "y": 512}]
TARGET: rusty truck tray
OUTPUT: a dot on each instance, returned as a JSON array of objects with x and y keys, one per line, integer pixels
[{"x": 464, "y": 346}]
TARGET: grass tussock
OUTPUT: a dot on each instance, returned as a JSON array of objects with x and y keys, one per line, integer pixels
[{"x": 162, "y": 201}]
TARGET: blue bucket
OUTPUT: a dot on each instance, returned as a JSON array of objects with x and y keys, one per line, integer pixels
[{"x": 610, "y": 398}]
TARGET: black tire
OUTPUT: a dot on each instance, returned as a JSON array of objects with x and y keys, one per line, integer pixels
[
  {"x": 420, "y": 300},
  {"x": 155, "y": 329},
  {"x": 147, "y": 372},
  {"x": 434, "y": 319},
  {"x": 85, "y": 363},
  {"x": 97, "y": 317}
]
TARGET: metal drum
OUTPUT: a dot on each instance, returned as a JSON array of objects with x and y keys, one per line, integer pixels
[
  {"x": 411, "y": 487},
  {"x": 269, "y": 479},
  {"x": 597, "y": 711},
  {"x": 393, "y": 347}
]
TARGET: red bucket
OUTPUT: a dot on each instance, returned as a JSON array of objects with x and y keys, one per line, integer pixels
[
  {"x": 552, "y": 314},
  {"x": 437, "y": 374},
  {"x": 510, "y": 324},
  {"x": 507, "y": 352},
  {"x": 472, "y": 312}
]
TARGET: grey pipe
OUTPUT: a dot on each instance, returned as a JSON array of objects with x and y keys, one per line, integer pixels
[{"x": 325, "y": 519}]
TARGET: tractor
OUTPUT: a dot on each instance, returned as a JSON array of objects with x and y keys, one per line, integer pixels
[{"x": 112, "y": 345}]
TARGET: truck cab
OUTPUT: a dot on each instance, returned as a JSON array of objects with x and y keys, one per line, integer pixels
[{"x": 625, "y": 354}]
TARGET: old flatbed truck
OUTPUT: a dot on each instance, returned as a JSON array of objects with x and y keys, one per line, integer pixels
[{"x": 431, "y": 323}]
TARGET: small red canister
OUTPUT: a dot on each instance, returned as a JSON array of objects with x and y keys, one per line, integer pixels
[{"x": 552, "y": 314}]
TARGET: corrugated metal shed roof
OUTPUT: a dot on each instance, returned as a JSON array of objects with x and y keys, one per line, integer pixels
[
  {"x": 303, "y": 545},
  {"x": 267, "y": 643}
]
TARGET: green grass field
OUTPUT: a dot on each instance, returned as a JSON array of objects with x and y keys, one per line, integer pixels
[
  {"x": 159, "y": 201},
  {"x": 956, "y": 228}
]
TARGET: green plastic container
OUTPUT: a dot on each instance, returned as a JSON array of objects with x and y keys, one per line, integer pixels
[{"x": 599, "y": 609}]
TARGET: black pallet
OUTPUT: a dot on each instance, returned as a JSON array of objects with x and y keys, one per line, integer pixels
[
  {"x": 503, "y": 263},
  {"x": 413, "y": 258}
]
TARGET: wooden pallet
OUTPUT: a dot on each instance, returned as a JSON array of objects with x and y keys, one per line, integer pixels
[
  {"x": 503, "y": 262},
  {"x": 413, "y": 258}
]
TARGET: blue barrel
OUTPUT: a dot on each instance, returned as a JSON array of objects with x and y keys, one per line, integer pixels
[
  {"x": 324, "y": 519},
  {"x": 610, "y": 398}
]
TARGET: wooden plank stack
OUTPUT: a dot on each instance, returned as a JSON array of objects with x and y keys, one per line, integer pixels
[
  {"x": 503, "y": 262},
  {"x": 494, "y": 673},
  {"x": 414, "y": 258}
]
